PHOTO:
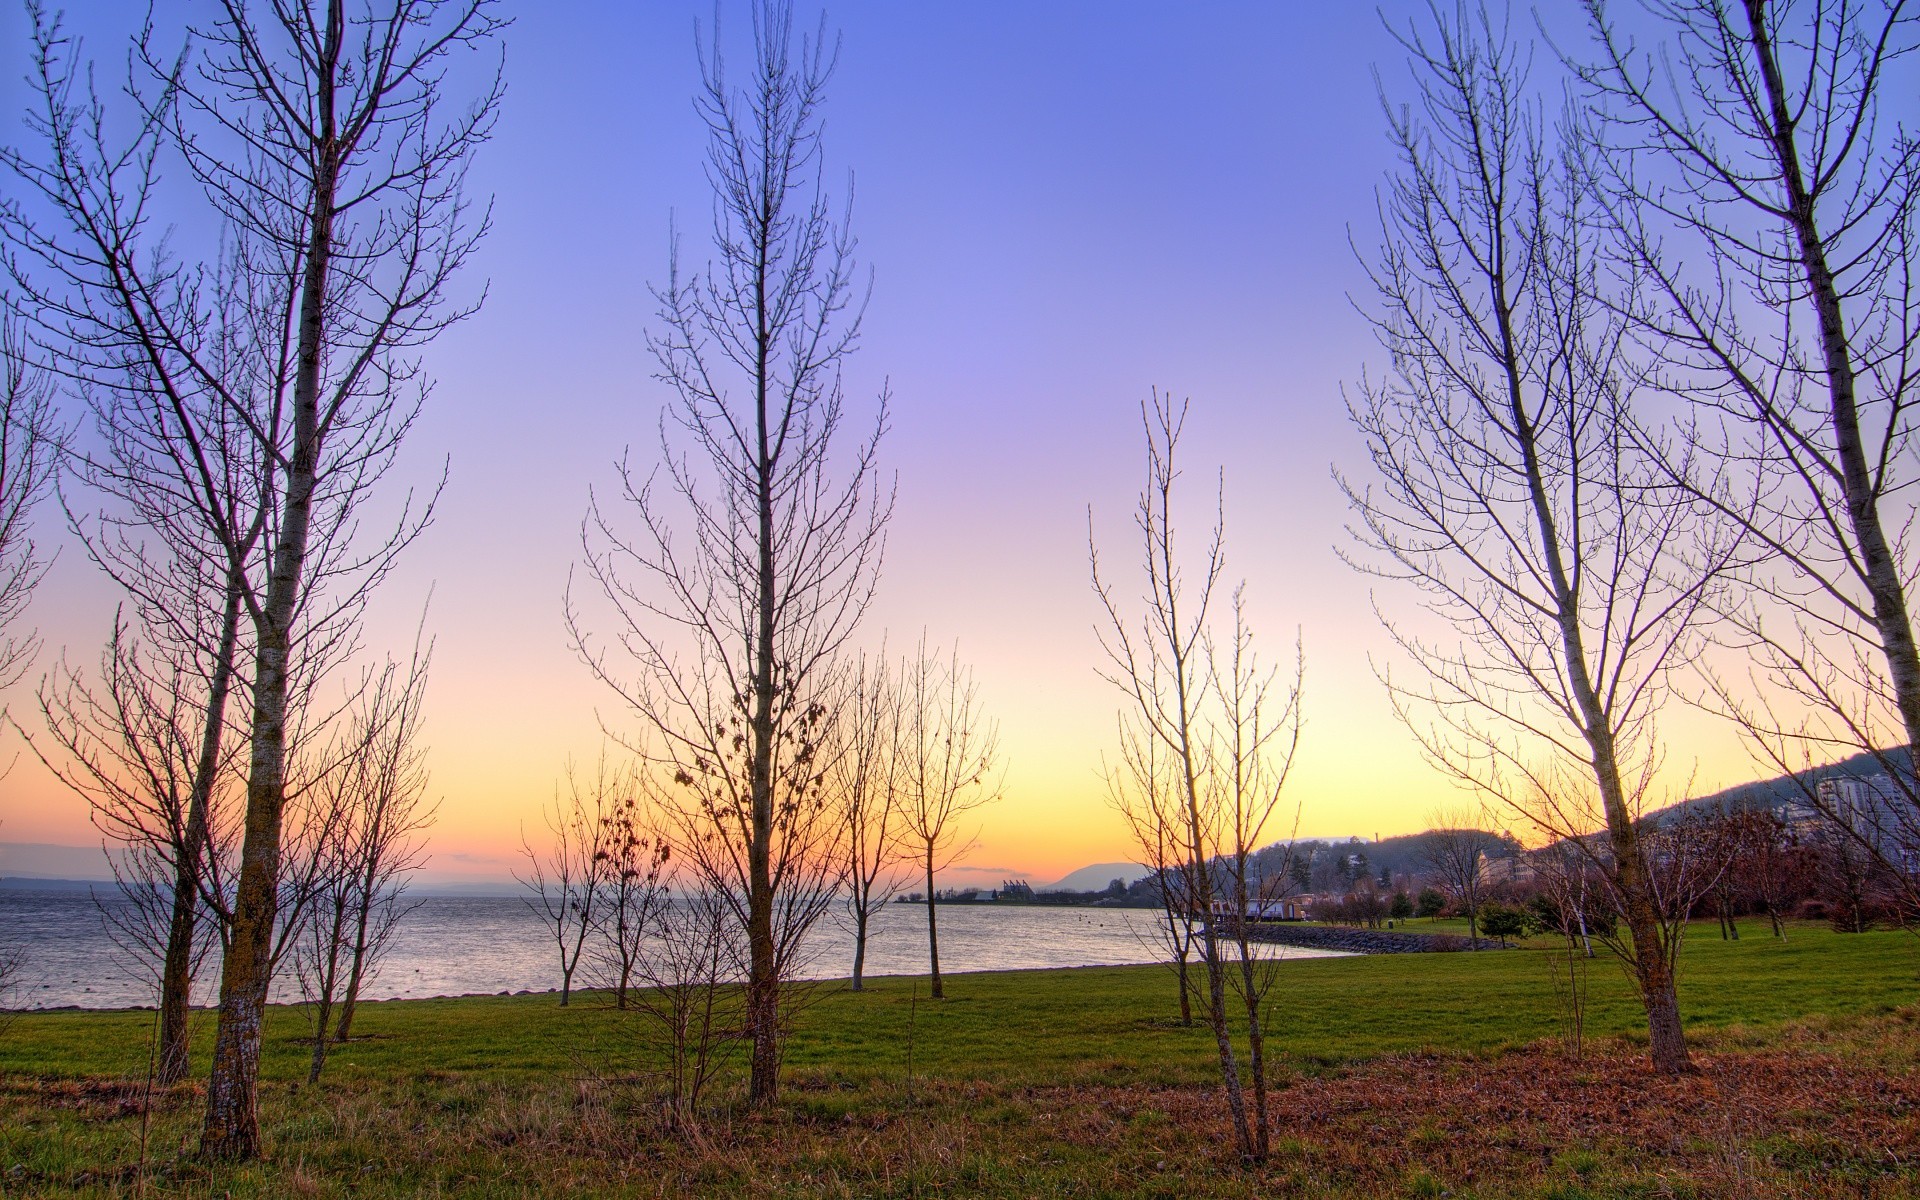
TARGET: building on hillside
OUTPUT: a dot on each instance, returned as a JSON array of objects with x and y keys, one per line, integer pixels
[
  {"x": 1870, "y": 808},
  {"x": 1516, "y": 869}
]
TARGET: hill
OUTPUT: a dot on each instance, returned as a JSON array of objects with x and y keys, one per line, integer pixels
[
  {"x": 1095, "y": 877},
  {"x": 1784, "y": 789}
]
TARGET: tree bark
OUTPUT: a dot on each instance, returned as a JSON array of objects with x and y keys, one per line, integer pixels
[
  {"x": 1256, "y": 1051},
  {"x": 1186, "y": 1000},
  {"x": 859, "y": 947},
  {"x": 933, "y": 930},
  {"x": 176, "y": 977},
  {"x": 232, "y": 1128},
  {"x": 1877, "y": 563},
  {"x": 763, "y": 978},
  {"x": 356, "y": 970}
]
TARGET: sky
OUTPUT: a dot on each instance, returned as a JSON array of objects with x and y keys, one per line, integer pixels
[{"x": 1063, "y": 206}]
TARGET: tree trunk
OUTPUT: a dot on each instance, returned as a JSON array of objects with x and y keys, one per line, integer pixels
[
  {"x": 176, "y": 977},
  {"x": 859, "y": 946},
  {"x": 1223, "y": 1038},
  {"x": 1890, "y": 617},
  {"x": 1249, "y": 979},
  {"x": 328, "y": 985},
  {"x": 1256, "y": 1052},
  {"x": 320, "y": 1039},
  {"x": 1186, "y": 985},
  {"x": 933, "y": 929},
  {"x": 356, "y": 969},
  {"x": 232, "y": 1128},
  {"x": 1652, "y": 956},
  {"x": 1657, "y": 991},
  {"x": 763, "y": 981}
]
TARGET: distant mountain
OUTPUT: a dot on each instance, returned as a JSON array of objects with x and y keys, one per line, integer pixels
[
  {"x": 41, "y": 860},
  {"x": 456, "y": 889},
  {"x": 1096, "y": 877},
  {"x": 83, "y": 887}
]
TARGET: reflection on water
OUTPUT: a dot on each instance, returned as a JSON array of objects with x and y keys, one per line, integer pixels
[{"x": 453, "y": 946}]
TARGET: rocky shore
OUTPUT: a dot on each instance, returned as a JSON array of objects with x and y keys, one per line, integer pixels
[{"x": 1360, "y": 941}]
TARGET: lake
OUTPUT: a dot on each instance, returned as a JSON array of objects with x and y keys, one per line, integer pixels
[{"x": 463, "y": 945}]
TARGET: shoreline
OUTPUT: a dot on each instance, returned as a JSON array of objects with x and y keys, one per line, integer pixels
[{"x": 841, "y": 980}]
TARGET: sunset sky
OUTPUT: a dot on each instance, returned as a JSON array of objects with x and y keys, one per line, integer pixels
[{"x": 1063, "y": 204}]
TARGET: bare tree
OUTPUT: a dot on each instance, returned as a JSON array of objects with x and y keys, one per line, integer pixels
[
  {"x": 179, "y": 523},
  {"x": 320, "y": 953},
  {"x": 29, "y": 445},
  {"x": 568, "y": 880},
  {"x": 948, "y": 750},
  {"x": 629, "y": 912},
  {"x": 691, "y": 1008},
  {"x": 1567, "y": 883},
  {"x": 372, "y": 810},
  {"x": 1517, "y": 492},
  {"x": 135, "y": 746},
  {"x": 1255, "y": 739},
  {"x": 728, "y": 644},
  {"x": 12, "y": 966},
  {"x": 1768, "y": 199},
  {"x": 1454, "y": 852},
  {"x": 864, "y": 776},
  {"x": 1775, "y": 865},
  {"x": 316, "y": 143},
  {"x": 1160, "y": 660},
  {"x": 391, "y": 817},
  {"x": 30, "y": 438},
  {"x": 1144, "y": 794}
]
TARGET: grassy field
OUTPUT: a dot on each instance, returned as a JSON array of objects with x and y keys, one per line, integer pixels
[{"x": 1398, "y": 1075}]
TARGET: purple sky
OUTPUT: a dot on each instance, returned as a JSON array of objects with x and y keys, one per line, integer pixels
[{"x": 1064, "y": 204}]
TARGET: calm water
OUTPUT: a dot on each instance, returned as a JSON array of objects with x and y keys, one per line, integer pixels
[{"x": 454, "y": 946}]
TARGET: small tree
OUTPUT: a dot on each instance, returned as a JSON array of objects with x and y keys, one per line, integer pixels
[
  {"x": 949, "y": 749},
  {"x": 1502, "y": 922},
  {"x": 1455, "y": 852},
  {"x": 1206, "y": 738},
  {"x": 736, "y": 572},
  {"x": 1431, "y": 903},
  {"x": 568, "y": 880},
  {"x": 1144, "y": 792},
  {"x": 1402, "y": 906},
  {"x": 391, "y": 816},
  {"x": 865, "y": 774},
  {"x": 689, "y": 1013},
  {"x": 635, "y": 897}
]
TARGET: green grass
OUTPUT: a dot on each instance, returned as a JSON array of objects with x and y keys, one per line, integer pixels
[
  {"x": 1026, "y": 1026},
  {"x": 494, "y": 1084}
]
